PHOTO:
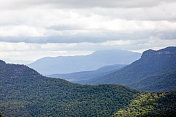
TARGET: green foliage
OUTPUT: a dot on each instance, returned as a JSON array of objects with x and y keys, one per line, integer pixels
[
  {"x": 161, "y": 82},
  {"x": 151, "y": 63},
  {"x": 24, "y": 92},
  {"x": 150, "y": 105}
]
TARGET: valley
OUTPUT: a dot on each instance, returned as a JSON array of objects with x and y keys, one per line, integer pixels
[{"x": 25, "y": 92}]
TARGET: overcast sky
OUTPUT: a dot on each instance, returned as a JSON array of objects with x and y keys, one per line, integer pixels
[{"x": 32, "y": 29}]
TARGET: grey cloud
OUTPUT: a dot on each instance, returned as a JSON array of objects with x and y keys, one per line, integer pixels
[
  {"x": 65, "y": 27},
  {"x": 101, "y": 3},
  {"x": 95, "y": 37},
  {"x": 168, "y": 35},
  {"x": 157, "y": 13},
  {"x": 83, "y": 3}
]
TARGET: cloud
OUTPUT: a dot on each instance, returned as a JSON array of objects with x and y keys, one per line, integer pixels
[
  {"x": 82, "y": 3},
  {"x": 69, "y": 26},
  {"x": 30, "y": 29},
  {"x": 163, "y": 11},
  {"x": 52, "y": 25},
  {"x": 64, "y": 27},
  {"x": 92, "y": 37},
  {"x": 28, "y": 52}
]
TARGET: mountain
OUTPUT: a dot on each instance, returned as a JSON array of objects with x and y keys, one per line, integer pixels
[
  {"x": 150, "y": 105},
  {"x": 151, "y": 63},
  {"x": 24, "y": 92},
  {"x": 162, "y": 82},
  {"x": 70, "y": 64},
  {"x": 84, "y": 76}
]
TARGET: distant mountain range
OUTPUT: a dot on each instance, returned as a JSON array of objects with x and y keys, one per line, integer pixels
[
  {"x": 152, "y": 70},
  {"x": 24, "y": 92},
  {"x": 70, "y": 64},
  {"x": 85, "y": 76}
]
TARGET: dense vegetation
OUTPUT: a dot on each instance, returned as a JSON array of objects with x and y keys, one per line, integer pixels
[
  {"x": 151, "y": 63},
  {"x": 24, "y": 92},
  {"x": 162, "y": 82},
  {"x": 150, "y": 105}
]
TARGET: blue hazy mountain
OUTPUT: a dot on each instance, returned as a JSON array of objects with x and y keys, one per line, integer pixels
[
  {"x": 160, "y": 82},
  {"x": 84, "y": 76},
  {"x": 70, "y": 64},
  {"x": 24, "y": 92},
  {"x": 151, "y": 63}
]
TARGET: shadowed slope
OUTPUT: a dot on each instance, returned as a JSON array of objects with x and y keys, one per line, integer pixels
[
  {"x": 25, "y": 92},
  {"x": 151, "y": 63}
]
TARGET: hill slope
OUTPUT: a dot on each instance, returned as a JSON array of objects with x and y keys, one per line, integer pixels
[
  {"x": 70, "y": 64},
  {"x": 151, "y": 63},
  {"x": 161, "y": 82},
  {"x": 150, "y": 105},
  {"x": 25, "y": 92},
  {"x": 84, "y": 76}
]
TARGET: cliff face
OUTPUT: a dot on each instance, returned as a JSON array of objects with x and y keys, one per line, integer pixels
[
  {"x": 151, "y": 63},
  {"x": 169, "y": 51},
  {"x": 2, "y": 63}
]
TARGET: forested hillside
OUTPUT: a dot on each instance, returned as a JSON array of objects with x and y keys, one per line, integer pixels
[
  {"x": 151, "y": 63},
  {"x": 25, "y": 92},
  {"x": 162, "y": 82},
  {"x": 150, "y": 105}
]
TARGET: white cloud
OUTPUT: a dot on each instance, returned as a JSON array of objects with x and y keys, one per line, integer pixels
[
  {"x": 81, "y": 3},
  {"x": 21, "y": 31},
  {"x": 30, "y": 29},
  {"x": 28, "y": 52},
  {"x": 52, "y": 25},
  {"x": 163, "y": 11}
]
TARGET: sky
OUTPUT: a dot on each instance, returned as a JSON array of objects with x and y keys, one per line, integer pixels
[{"x": 32, "y": 29}]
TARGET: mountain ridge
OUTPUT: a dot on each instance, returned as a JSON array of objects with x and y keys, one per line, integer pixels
[
  {"x": 70, "y": 64},
  {"x": 31, "y": 94},
  {"x": 161, "y": 82},
  {"x": 151, "y": 63},
  {"x": 165, "y": 51},
  {"x": 83, "y": 76}
]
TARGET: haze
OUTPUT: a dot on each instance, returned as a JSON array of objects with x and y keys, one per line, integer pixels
[{"x": 32, "y": 29}]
